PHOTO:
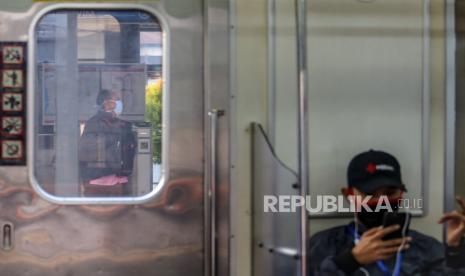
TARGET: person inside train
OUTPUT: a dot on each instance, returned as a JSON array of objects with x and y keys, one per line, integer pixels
[
  {"x": 106, "y": 149},
  {"x": 363, "y": 247}
]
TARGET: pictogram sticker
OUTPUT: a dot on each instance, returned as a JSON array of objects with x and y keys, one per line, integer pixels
[
  {"x": 12, "y": 78},
  {"x": 12, "y": 149},
  {"x": 13, "y": 54},
  {"x": 13, "y": 84},
  {"x": 12, "y": 125},
  {"x": 12, "y": 102}
]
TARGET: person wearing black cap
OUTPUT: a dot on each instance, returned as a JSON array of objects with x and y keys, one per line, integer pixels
[
  {"x": 360, "y": 248},
  {"x": 106, "y": 149}
]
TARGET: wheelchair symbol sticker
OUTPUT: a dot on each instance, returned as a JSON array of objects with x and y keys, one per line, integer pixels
[{"x": 12, "y": 149}]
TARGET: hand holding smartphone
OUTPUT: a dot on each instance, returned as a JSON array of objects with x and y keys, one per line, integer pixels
[{"x": 393, "y": 218}]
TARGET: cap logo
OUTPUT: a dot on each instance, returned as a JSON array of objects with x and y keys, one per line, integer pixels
[{"x": 372, "y": 168}]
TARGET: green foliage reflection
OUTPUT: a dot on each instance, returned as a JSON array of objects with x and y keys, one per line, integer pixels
[{"x": 153, "y": 114}]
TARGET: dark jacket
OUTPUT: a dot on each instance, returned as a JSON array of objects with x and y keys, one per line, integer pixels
[
  {"x": 107, "y": 146},
  {"x": 330, "y": 254}
]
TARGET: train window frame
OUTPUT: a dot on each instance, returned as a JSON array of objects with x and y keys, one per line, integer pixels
[{"x": 156, "y": 192}]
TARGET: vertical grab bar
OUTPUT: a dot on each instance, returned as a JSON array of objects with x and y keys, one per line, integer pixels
[
  {"x": 210, "y": 197},
  {"x": 303, "y": 159}
]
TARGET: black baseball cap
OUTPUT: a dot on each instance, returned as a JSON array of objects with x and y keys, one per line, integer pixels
[{"x": 374, "y": 169}]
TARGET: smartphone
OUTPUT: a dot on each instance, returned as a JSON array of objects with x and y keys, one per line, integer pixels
[{"x": 393, "y": 218}]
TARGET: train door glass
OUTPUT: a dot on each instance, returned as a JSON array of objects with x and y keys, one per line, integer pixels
[{"x": 98, "y": 103}]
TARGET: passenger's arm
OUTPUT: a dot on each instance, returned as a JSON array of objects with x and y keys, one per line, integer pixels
[
  {"x": 455, "y": 247},
  {"x": 455, "y": 256},
  {"x": 370, "y": 248}
]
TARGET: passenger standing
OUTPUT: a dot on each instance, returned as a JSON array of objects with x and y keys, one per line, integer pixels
[{"x": 106, "y": 149}]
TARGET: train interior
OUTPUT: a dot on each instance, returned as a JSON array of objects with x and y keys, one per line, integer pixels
[{"x": 147, "y": 137}]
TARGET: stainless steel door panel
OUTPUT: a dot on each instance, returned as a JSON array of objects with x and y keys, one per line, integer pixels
[{"x": 161, "y": 237}]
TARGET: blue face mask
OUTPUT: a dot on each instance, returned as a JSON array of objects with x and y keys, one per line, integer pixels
[{"x": 119, "y": 107}]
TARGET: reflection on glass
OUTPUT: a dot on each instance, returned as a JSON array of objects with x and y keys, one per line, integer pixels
[
  {"x": 153, "y": 114},
  {"x": 106, "y": 149},
  {"x": 98, "y": 103}
]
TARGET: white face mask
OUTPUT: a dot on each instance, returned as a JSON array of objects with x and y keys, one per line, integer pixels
[{"x": 119, "y": 107}]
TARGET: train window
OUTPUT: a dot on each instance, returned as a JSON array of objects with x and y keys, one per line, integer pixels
[{"x": 97, "y": 104}]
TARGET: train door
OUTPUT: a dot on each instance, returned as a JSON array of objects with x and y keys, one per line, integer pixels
[{"x": 108, "y": 142}]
